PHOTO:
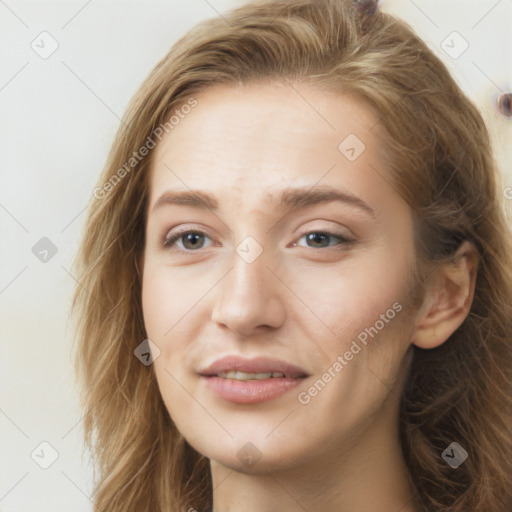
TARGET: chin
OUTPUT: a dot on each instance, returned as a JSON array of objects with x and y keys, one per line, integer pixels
[{"x": 251, "y": 451}]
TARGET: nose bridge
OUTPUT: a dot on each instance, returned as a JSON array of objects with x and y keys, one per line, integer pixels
[
  {"x": 248, "y": 271},
  {"x": 249, "y": 295}
]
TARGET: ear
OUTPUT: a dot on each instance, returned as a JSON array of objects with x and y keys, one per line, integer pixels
[{"x": 448, "y": 299}]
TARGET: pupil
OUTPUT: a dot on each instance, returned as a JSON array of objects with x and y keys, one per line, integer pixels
[
  {"x": 190, "y": 238},
  {"x": 313, "y": 237}
]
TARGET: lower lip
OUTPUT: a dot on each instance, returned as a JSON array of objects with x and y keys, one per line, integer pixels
[{"x": 249, "y": 391}]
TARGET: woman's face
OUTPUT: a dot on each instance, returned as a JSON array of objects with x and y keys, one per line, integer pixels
[{"x": 299, "y": 257}]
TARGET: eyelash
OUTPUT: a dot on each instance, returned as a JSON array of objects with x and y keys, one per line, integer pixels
[{"x": 345, "y": 242}]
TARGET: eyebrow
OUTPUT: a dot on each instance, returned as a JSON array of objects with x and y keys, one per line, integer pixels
[{"x": 293, "y": 198}]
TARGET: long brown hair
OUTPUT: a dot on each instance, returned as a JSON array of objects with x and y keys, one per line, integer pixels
[{"x": 440, "y": 158}]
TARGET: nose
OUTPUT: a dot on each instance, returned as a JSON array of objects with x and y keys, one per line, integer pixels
[{"x": 249, "y": 297}]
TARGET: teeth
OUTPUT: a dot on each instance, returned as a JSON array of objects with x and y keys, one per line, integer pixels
[{"x": 249, "y": 376}]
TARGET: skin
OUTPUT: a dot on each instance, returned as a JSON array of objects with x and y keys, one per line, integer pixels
[{"x": 301, "y": 300}]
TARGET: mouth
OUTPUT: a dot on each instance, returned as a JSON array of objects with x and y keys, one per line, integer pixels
[
  {"x": 249, "y": 381},
  {"x": 260, "y": 368}
]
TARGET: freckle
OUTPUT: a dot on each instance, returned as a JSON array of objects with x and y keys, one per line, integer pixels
[
  {"x": 367, "y": 6},
  {"x": 505, "y": 104}
]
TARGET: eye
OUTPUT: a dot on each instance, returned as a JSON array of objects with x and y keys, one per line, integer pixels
[
  {"x": 190, "y": 240},
  {"x": 319, "y": 238}
]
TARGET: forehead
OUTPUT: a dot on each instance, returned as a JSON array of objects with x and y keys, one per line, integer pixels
[{"x": 254, "y": 138}]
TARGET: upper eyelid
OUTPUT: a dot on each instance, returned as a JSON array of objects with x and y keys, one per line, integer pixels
[
  {"x": 202, "y": 231},
  {"x": 181, "y": 232}
]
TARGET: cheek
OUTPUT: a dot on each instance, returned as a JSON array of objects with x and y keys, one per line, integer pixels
[
  {"x": 157, "y": 306},
  {"x": 344, "y": 301},
  {"x": 166, "y": 304},
  {"x": 173, "y": 305},
  {"x": 167, "y": 300}
]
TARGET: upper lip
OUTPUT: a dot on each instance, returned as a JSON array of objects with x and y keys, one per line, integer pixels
[{"x": 255, "y": 365}]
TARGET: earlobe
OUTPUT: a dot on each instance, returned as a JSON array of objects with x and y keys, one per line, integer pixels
[{"x": 448, "y": 299}]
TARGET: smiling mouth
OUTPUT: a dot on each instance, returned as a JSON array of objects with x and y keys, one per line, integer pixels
[{"x": 250, "y": 381}]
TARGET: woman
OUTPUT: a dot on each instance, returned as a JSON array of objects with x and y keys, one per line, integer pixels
[{"x": 295, "y": 287}]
